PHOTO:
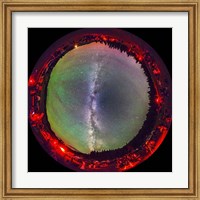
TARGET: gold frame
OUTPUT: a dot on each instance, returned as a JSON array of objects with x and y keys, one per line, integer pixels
[{"x": 9, "y": 6}]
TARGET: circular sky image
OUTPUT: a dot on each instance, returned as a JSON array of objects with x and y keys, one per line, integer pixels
[{"x": 100, "y": 100}]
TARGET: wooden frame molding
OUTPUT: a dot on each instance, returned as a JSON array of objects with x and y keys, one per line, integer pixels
[{"x": 8, "y": 7}]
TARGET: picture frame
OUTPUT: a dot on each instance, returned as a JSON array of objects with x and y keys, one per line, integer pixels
[{"x": 10, "y": 6}]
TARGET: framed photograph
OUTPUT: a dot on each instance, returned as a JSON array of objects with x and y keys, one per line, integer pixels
[{"x": 99, "y": 99}]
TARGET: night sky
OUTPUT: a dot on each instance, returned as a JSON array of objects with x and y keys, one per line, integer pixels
[{"x": 97, "y": 98}]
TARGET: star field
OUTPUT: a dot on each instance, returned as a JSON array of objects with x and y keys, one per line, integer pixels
[{"x": 97, "y": 98}]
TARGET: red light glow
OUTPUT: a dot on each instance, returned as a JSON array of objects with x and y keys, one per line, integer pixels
[
  {"x": 156, "y": 71},
  {"x": 36, "y": 117},
  {"x": 104, "y": 38},
  {"x": 158, "y": 100},
  {"x": 140, "y": 58},
  {"x": 31, "y": 81},
  {"x": 62, "y": 149},
  {"x": 168, "y": 120}
]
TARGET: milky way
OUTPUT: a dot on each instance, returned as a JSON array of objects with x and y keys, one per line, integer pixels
[{"x": 97, "y": 98}]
